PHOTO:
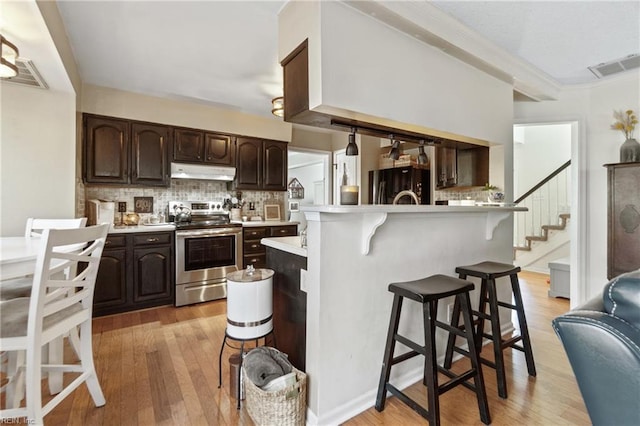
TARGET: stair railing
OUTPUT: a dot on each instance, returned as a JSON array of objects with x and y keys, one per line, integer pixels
[{"x": 545, "y": 202}]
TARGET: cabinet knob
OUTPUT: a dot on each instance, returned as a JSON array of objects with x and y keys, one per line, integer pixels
[
  {"x": 106, "y": 243},
  {"x": 199, "y": 157},
  {"x": 152, "y": 240},
  {"x": 283, "y": 231},
  {"x": 209, "y": 158}
]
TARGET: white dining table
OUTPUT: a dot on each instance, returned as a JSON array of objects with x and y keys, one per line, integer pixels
[{"x": 18, "y": 256}]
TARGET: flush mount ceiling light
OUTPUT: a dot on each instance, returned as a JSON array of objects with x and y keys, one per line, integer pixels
[
  {"x": 278, "y": 106},
  {"x": 394, "y": 154},
  {"x": 9, "y": 54},
  {"x": 352, "y": 148},
  {"x": 422, "y": 157}
]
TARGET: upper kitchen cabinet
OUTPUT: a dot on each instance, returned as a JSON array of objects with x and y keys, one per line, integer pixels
[
  {"x": 106, "y": 150},
  {"x": 261, "y": 165},
  {"x": 196, "y": 146},
  {"x": 149, "y": 154},
  {"x": 118, "y": 151},
  {"x": 462, "y": 167}
]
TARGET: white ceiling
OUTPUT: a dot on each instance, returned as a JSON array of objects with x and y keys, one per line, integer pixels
[{"x": 225, "y": 52}]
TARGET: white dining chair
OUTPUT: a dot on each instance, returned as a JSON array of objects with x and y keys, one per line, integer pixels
[
  {"x": 61, "y": 301},
  {"x": 21, "y": 287},
  {"x": 36, "y": 226}
]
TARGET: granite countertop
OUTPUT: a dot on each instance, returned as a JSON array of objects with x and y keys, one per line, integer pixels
[
  {"x": 287, "y": 244},
  {"x": 264, "y": 222},
  {"x": 160, "y": 227}
]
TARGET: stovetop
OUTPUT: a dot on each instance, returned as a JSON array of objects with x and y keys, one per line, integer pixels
[{"x": 204, "y": 214}]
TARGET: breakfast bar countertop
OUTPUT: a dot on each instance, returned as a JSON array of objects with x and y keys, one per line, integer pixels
[
  {"x": 286, "y": 244},
  {"x": 156, "y": 227}
]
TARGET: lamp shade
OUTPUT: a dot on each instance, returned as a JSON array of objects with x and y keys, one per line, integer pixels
[
  {"x": 352, "y": 148},
  {"x": 9, "y": 54}
]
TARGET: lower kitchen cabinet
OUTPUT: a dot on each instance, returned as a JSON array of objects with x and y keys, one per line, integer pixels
[
  {"x": 253, "y": 252},
  {"x": 289, "y": 305},
  {"x": 136, "y": 271}
]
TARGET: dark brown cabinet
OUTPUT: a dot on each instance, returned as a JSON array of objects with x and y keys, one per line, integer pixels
[
  {"x": 462, "y": 167},
  {"x": 106, "y": 150},
  {"x": 289, "y": 305},
  {"x": 149, "y": 149},
  {"x": 261, "y": 164},
  {"x": 254, "y": 253},
  {"x": 136, "y": 271},
  {"x": 118, "y": 151},
  {"x": 196, "y": 146},
  {"x": 623, "y": 254}
]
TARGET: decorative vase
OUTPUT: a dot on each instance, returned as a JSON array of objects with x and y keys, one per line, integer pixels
[{"x": 630, "y": 151}]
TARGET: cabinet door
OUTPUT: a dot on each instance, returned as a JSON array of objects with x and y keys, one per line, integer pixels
[
  {"x": 188, "y": 146},
  {"x": 248, "y": 163},
  {"x": 624, "y": 219},
  {"x": 218, "y": 149},
  {"x": 275, "y": 166},
  {"x": 446, "y": 167},
  {"x": 152, "y": 275},
  {"x": 110, "y": 293},
  {"x": 150, "y": 154},
  {"x": 106, "y": 150}
]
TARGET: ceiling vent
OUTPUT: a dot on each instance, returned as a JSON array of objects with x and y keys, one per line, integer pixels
[
  {"x": 619, "y": 65},
  {"x": 28, "y": 75}
]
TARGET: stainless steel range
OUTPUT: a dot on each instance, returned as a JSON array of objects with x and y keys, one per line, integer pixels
[{"x": 208, "y": 247}]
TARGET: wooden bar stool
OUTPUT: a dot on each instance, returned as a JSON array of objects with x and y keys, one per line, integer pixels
[
  {"x": 488, "y": 272},
  {"x": 428, "y": 291}
]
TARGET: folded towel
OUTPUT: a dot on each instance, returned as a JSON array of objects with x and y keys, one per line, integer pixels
[{"x": 263, "y": 364}]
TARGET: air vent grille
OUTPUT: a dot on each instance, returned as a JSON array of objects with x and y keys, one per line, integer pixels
[
  {"x": 619, "y": 65},
  {"x": 28, "y": 75}
]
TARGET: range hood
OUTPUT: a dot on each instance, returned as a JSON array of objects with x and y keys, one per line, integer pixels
[{"x": 196, "y": 171}]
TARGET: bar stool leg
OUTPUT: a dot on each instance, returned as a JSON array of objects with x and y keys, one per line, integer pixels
[
  {"x": 482, "y": 307},
  {"x": 524, "y": 329},
  {"x": 496, "y": 337},
  {"x": 220, "y": 361},
  {"x": 430, "y": 311},
  {"x": 478, "y": 379},
  {"x": 451, "y": 340},
  {"x": 388, "y": 352}
]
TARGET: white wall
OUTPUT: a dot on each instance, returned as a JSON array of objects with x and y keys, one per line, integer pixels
[
  {"x": 118, "y": 103},
  {"x": 37, "y": 155},
  {"x": 373, "y": 69},
  {"x": 592, "y": 106},
  {"x": 538, "y": 150}
]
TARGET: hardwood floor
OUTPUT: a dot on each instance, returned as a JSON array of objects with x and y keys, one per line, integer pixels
[{"x": 159, "y": 366}]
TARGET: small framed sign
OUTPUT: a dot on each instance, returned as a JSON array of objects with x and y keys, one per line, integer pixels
[
  {"x": 294, "y": 206},
  {"x": 272, "y": 212},
  {"x": 143, "y": 204}
]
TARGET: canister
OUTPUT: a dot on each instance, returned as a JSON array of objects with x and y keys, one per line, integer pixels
[{"x": 249, "y": 303}]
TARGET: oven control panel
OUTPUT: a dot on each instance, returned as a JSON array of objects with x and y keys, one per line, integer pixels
[{"x": 199, "y": 207}]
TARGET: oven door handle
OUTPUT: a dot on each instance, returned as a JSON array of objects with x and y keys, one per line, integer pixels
[{"x": 208, "y": 233}]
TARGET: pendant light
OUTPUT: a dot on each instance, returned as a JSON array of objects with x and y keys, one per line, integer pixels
[
  {"x": 352, "y": 148},
  {"x": 422, "y": 157},
  {"x": 9, "y": 53},
  {"x": 394, "y": 154}
]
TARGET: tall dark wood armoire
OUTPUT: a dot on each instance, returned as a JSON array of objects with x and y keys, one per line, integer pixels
[{"x": 624, "y": 218}]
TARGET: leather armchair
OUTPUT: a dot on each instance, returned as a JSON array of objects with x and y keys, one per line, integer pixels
[{"x": 602, "y": 341}]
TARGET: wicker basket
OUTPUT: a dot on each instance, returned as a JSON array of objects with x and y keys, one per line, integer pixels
[{"x": 279, "y": 408}]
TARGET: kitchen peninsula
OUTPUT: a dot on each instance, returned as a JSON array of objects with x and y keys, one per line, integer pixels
[{"x": 353, "y": 254}]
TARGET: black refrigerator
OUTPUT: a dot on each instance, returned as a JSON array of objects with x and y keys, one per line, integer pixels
[{"x": 385, "y": 184}]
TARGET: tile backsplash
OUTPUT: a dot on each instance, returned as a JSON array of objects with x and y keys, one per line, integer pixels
[
  {"x": 183, "y": 190},
  {"x": 472, "y": 193}
]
